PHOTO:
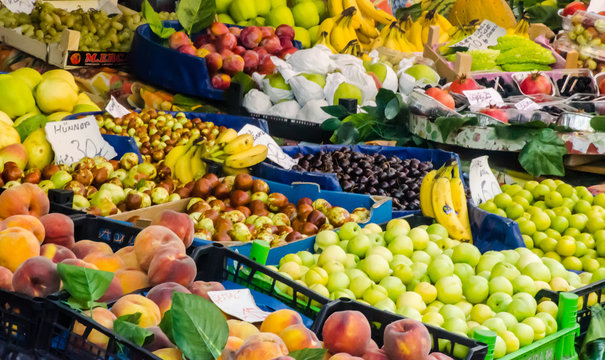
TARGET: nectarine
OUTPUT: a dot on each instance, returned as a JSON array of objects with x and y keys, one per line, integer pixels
[
  {"x": 133, "y": 303},
  {"x": 201, "y": 288},
  {"x": 153, "y": 238},
  {"x": 346, "y": 331},
  {"x": 24, "y": 199},
  {"x": 37, "y": 277},
  {"x": 16, "y": 246},
  {"x": 180, "y": 223},
  {"x": 406, "y": 339},
  {"x": 103, "y": 317},
  {"x": 57, "y": 253},
  {"x": 170, "y": 265},
  {"x": 161, "y": 294},
  {"x": 26, "y": 222},
  {"x": 59, "y": 229},
  {"x": 278, "y": 320},
  {"x": 6, "y": 279},
  {"x": 261, "y": 346}
]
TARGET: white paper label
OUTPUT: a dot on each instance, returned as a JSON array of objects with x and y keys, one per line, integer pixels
[
  {"x": 275, "y": 153},
  {"x": 238, "y": 303},
  {"x": 527, "y": 104},
  {"x": 19, "y": 6},
  {"x": 487, "y": 34},
  {"x": 482, "y": 182},
  {"x": 74, "y": 139},
  {"x": 483, "y": 98},
  {"x": 596, "y": 6},
  {"x": 115, "y": 109}
]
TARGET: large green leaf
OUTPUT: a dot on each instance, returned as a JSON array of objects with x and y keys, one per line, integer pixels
[
  {"x": 308, "y": 354},
  {"x": 598, "y": 123},
  {"x": 199, "y": 328},
  {"x": 448, "y": 124},
  {"x": 132, "y": 332},
  {"x": 83, "y": 284},
  {"x": 154, "y": 21},
  {"x": 543, "y": 154},
  {"x": 338, "y": 111},
  {"x": 166, "y": 325},
  {"x": 196, "y": 15}
]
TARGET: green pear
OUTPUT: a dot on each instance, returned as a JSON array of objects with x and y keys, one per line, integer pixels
[
  {"x": 423, "y": 72},
  {"x": 278, "y": 3},
  {"x": 347, "y": 91},
  {"x": 277, "y": 81},
  {"x": 305, "y": 14},
  {"x": 278, "y": 16},
  {"x": 259, "y": 21},
  {"x": 302, "y": 35},
  {"x": 244, "y": 80},
  {"x": 379, "y": 69},
  {"x": 262, "y": 7},
  {"x": 225, "y": 19},
  {"x": 222, "y": 6},
  {"x": 316, "y": 78},
  {"x": 241, "y": 10},
  {"x": 322, "y": 10},
  {"x": 314, "y": 34},
  {"x": 245, "y": 23},
  {"x": 39, "y": 151}
]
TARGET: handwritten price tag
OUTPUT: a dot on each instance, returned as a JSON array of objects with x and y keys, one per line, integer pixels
[
  {"x": 482, "y": 182},
  {"x": 482, "y": 98},
  {"x": 487, "y": 34},
  {"x": 527, "y": 104},
  {"x": 275, "y": 153},
  {"x": 115, "y": 109},
  {"x": 19, "y": 6},
  {"x": 239, "y": 304},
  {"x": 74, "y": 139}
]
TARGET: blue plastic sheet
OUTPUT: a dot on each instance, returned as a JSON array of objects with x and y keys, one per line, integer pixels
[
  {"x": 493, "y": 232},
  {"x": 267, "y": 170}
]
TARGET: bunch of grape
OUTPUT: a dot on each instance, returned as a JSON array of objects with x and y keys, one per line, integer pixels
[{"x": 98, "y": 31}]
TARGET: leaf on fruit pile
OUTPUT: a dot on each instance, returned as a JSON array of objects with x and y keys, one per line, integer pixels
[
  {"x": 30, "y": 125},
  {"x": 127, "y": 327},
  {"x": 154, "y": 21},
  {"x": 338, "y": 111},
  {"x": 196, "y": 15},
  {"x": 166, "y": 325},
  {"x": 83, "y": 284},
  {"x": 543, "y": 154},
  {"x": 448, "y": 124},
  {"x": 598, "y": 123},
  {"x": 200, "y": 329},
  {"x": 308, "y": 354}
]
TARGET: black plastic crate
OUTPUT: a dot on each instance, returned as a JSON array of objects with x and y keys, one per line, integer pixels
[
  {"x": 380, "y": 319},
  {"x": 299, "y": 130},
  {"x": 20, "y": 319},
  {"x": 216, "y": 262},
  {"x": 97, "y": 228}
]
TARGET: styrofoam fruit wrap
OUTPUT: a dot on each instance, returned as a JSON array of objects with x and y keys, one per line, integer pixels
[
  {"x": 341, "y": 60},
  {"x": 405, "y": 64},
  {"x": 275, "y": 94},
  {"x": 256, "y": 102},
  {"x": 390, "y": 80},
  {"x": 359, "y": 77},
  {"x": 305, "y": 90},
  {"x": 315, "y": 60},
  {"x": 287, "y": 109},
  {"x": 313, "y": 112}
]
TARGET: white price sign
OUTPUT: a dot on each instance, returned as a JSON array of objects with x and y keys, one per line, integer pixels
[
  {"x": 115, "y": 109},
  {"x": 74, "y": 139},
  {"x": 275, "y": 153},
  {"x": 487, "y": 34},
  {"x": 596, "y": 6},
  {"x": 482, "y": 98},
  {"x": 527, "y": 104},
  {"x": 19, "y": 6},
  {"x": 239, "y": 304},
  {"x": 482, "y": 182}
]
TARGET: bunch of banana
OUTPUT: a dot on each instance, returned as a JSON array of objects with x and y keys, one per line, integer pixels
[
  {"x": 394, "y": 37},
  {"x": 521, "y": 29},
  {"x": 343, "y": 32},
  {"x": 457, "y": 34},
  {"x": 185, "y": 162},
  {"x": 429, "y": 18},
  {"x": 442, "y": 197}
]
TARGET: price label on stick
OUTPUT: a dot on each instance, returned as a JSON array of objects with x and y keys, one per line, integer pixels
[
  {"x": 487, "y": 34},
  {"x": 275, "y": 153},
  {"x": 482, "y": 98},
  {"x": 115, "y": 109},
  {"x": 527, "y": 104},
  {"x": 238, "y": 303},
  {"x": 482, "y": 181},
  {"x": 74, "y": 139},
  {"x": 19, "y": 6}
]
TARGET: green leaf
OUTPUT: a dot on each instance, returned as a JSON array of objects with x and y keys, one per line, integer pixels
[
  {"x": 132, "y": 332},
  {"x": 382, "y": 99},
  {"x": 448, "y": 124},
  {"x": 331, "y": 124},
  {"x": 338, "y": 111},
  {"x": 30, "y": 125},
  {"x": 347, "y": 134},
  {"x": 519, "y": 131},
  {"x": 308, "y": 354},
  {"x": 543, "y": 154},
  {"x": 154, "y": 21},
  {"x": 414, "y": 11},
  {"x": 196, "y": 15},
  {"x": 84, "y": 284},
  {"x": 131, "y": 318},
  {"x": 200, "y": 329},
  {"x": 392, "y": 109},
  {"x": 180, "y": 99},
  {"x": 598, "y": 123},
  {"x": 166, "y": 325},
  {"x": 546, "y": 15}
]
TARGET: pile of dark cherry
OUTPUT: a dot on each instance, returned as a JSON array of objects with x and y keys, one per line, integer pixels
[{"x": 372, "y": 174}]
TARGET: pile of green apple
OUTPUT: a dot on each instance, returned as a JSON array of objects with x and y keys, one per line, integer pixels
[
  {"x": 557, "y": 221},
  {"x": 423, "y": 274}
]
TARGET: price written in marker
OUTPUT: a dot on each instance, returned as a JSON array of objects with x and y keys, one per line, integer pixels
[
  {"x": 527, "y": 104},
  {"x": 487, "y": 34},
  {"x": 275, "y": 153},
  {"x": 19, "y": 6},
  {"x": 72, "y": 140},
  {"x": 115, "y": 109},
  {"x": 482, "y": 98},
  {"x": 482, "y": 182},
  {"x": 238, "y": 303}
]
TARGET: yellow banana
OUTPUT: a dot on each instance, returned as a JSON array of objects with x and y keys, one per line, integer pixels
[
  {"x": 378, "y": 42},
  {"x": 325, "y": 41},
  {"x": 335, "y": 7},
  {"x": 363, "y": 39},
  {"x": 459, "y": 200},
  {"x": 233, "y": 171},
  {"x": 368, "y": 10},
  {"x": 368, "y": 28},
  {"x": 426, "y": 20},
  {"x": 343, "y": 32},
  {"x": 443, "y": 207},
  {"x": 327, "y": 25},
  {"x": 385, "y": 30},
  {"x": 239, "y": 144},
  {"x": 426, "y": 188},
  {"x": 174, "y": 154},
  {"x": 414, "y": 35},
  {"x": 225, "y": 136},
  {"x": 182, "y": 168},
  {"x": 443, "y": 23},
  {"x": 521, "y": 29},
  {"x": 404, "y": 44},
  {"x": 198, "y": 166},
  {"x": 392, "y": 41},
  {"x": 245, "y": 159},
  {"x": 357, "y": 19}
]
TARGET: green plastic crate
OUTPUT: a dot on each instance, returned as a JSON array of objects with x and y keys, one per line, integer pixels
[{"x": 558, "y": 346}]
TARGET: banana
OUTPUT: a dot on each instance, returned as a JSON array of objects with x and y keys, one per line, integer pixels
[
  {"x": 459, "y": 200},
  {"x": 182, "y": 168},
  {"x": 225, "y": 136},
  {"x": 443, "y": 23},
  {"x": 445, "y": 214},
  {"x": 343, "y": 31},
  {"x": 414, "y": 35},
  {"x": 327, "y": 25},
  {"x": 198, "y": 166},
  {"x": 239, "y": 144},
  {"x": 335, "y": 7},
  {"x": 392, "y": 39},
  {"x": 232, "y": 171},
  {"x": 521, "y": 28},
  {"x": 174, "y": 155},
  {"x": 357, "y": 19},
  {"x": 426, "y": 20},
  {"x": 369, "y": 11},
  {"x": 385, "y": 30},
  {"x": 325, "y": 41},
  {"x": 363, "y": 39},
  {"x": 245, "y": 159},
  {"x": 426, "y": 188}
]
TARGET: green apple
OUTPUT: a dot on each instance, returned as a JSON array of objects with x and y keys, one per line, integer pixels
[
  {"x": 262, "y": 7},
  {"x": 433, "y": 249},
  {"x": 399, "y": 222},
  {"x": 338, "y": 281},
  {"x": 480, "y": 313},
  {"x": 538, "y": 325},
  {"x": 524, "y": 283},
  {"x": 499, "y": 347},
  {"x": 500, "y": 284},
  {"x": 404, "y": 273},
  {"x": 376, "y": 239},
  {"x": 463, "y": 271},
  {"x": 506, "y": 270},
  {"x": 301, "y": 34},
  {"x": 348, "y": 231},
  {"x": 427, "y": 291},
  {"x": 499, "y": 302},
  {"x": 386, "y": 304},
  {"x": 488, "y": 261},
  {"x": 393, "y": 285},
  {"x": 511, "y": 256},
  {"x": 316, "y": 275},
  {"x": 409, "y": 312},
  {"x": 353, "y": 273},
  {"x": 400, "y": 259},
  {"x": 476, "y": 289},
  {"x": 508, "y": 319},
  {"x": 359, "y": 245},
  {"x": 437, "y": 229},
  {"x": 520, "y": 309},
  {"x": 433, "y": 318},
  {"x": 290, "y": 258},
  {"x": 528, "y": 258},
  {"x": 359, "y": 285},
  {"x": 537, "y": 271},
  {"x": 420, "y": 238},
  {"x": 421, "y": 256},
  {"x": 550, "y": 324},
  {"x": 305, "y": 14},
  {"x": 331, "y": 266},
  {"x": 375, "y": 266},
  {"x": 379, "y": 69},
  {"x": 524, "y": 333},
  {"x": 306, "y": 258},
  {"x": 422, "y": 72},
  {"x": 332, "y": 253},
  {"x": 242, "y": 10},
  {"x": 449, "y": 289},
  {"x": 222, "y": 6},
  {"x": 319, "y": 80},
  {"x": 548, "y": 307},
  {"x": 349, "y": 91},
  {"x": 291, "y": 268},
  {"x": 343, "y": 244},
  {"x": 466, "y": 253},
  {"x": 372, "y": 227},
  {"x": 440, "y": 267},
  {"x": 411, "y": 299},
  {"x": 495, "y": 324},
  {"x": 402, "y": 245},
  {"x": 279, "y": 15},
  {"x": 351, "y": 261},
  {"x": 374, "y": 294},
  {"x": 322, "y": 10},
  {"x": 556, "y": 268},
  {"x": 325, "y": 238},
  {"x": 455, "y": 325},
  {"x": 276, "y": 80},
  {"x": 344, "y": 293}
]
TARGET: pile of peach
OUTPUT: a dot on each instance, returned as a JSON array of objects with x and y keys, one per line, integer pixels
[{"x": 240, "y": 208}]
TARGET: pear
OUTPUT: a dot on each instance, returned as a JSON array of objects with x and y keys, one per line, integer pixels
[
  {"x": 39, "y": 151},
  {"x": 347, "y": 91},
  {"x": 15, "y": 96},
  {"x": 16, "y": 153},
  {"x": 242, "y": 10},
  {"x": 316, "y": 78},
  {"x": 277, "y": 81},
  {"x": 30, "y": 76},
  {"x": 55, "y": 94}
]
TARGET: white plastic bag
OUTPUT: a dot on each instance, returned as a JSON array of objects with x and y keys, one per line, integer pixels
[
  {"x": 312, "y": 111},
  {"x": 256, "y": 102},
  {"x": 305, "y": 90},
  {"x": 286, "y": 109},
  {"x": 313, "y": 61},
  {"x": 359, "y": 77},
  {"x": 332, "y": 82}
]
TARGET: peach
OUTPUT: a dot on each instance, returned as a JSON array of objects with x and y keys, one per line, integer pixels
[
  {"x": 406, "y": 339},
  {"x": 346, "y": 331},
  {"x": 84, "y": 247},
  {"x": 105, "y": 318},
  {"x": 284, "y": 357},
  {"x": 151, "y": 240},
  {"x": 161, "y": 294},
  {"x": 6, "y": 279},
  {"x": 169, "y": 354},
  {"x": 201, "y": 288},
  {"x": 79, "y": 262},
  {"x": 105, "y": 262},
  {"x": 438, "y": 356},
  {"x": 113, "y": 292},
  {"x": 278, "y": 320},
  {"x": 56, "y": 253},
  {"x": 375, "y": 354},
  {"x": 160, "y": 340},
  {"x": 297, "y": 337},
  {"x": 59, "y": 229},
  {"x": 16, "y": 153},
  {"x": 133, "y": 303},
  {"x": 241, "y": 329},
  {"x": 24, "y": 199},
  {"x": 261, "y": 346},
  {"x": 37, "y": 277},
  {"x": 233, "y": 344},
  {"x": 169, "y": 265},
  {"x": 180, "y": 223},
  {"x": 132, "y": 280},
  {"x": 129, "y": 257},
  {"x": 16, "y": 246},
  {"x": 27, "y": 222},
  {"x": 344, "y": 356}
]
